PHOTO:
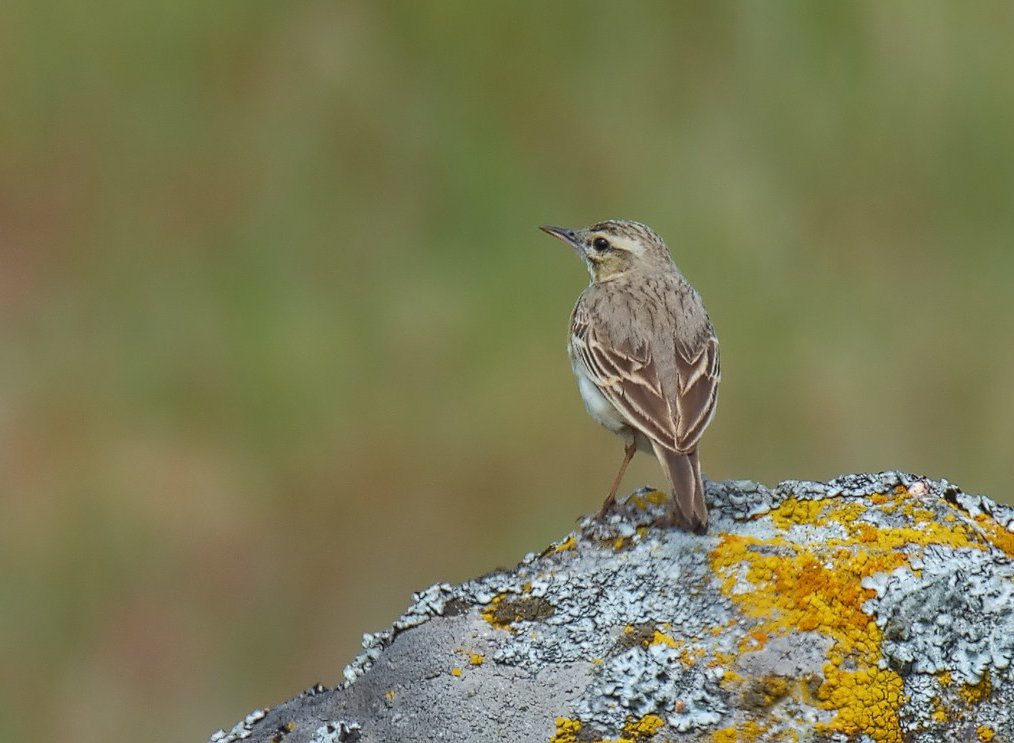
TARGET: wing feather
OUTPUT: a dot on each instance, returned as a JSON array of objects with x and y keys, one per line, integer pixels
[{"x": 673, "y": 415}]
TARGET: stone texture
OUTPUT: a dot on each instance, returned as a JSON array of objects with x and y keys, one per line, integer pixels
[{"x": 869, "y": 608}]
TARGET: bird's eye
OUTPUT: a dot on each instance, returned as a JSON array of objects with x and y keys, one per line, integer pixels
[{"x": 600, "y": 244}]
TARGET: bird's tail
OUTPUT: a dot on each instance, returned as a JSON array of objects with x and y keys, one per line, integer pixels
[{"x": 688, "y": 509}]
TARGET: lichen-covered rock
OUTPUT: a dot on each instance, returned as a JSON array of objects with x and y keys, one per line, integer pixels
[{"x": 870, "y": 608}]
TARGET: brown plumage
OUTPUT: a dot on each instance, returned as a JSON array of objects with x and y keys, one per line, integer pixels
[{"x": 645, "y": 355}]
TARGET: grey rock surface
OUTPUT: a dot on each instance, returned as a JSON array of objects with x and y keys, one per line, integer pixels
[{"x": 869, "y": 608}]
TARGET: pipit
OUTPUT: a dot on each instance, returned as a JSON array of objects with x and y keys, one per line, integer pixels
[{"x": 645, "y": 355}]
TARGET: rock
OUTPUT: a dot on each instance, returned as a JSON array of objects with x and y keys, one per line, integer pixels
[{"x": 869, "y": 608}]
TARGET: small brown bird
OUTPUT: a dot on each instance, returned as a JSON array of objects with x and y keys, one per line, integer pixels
[{"x": 645, "y": 355}]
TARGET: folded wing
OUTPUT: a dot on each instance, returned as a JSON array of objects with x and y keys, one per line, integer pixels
[{"x": 672, "y": 411}]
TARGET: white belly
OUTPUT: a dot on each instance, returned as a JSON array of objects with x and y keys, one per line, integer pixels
[{"x": 597, "y": 405}]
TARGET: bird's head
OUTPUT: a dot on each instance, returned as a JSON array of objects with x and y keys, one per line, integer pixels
[{"x": 615, "y": 247}]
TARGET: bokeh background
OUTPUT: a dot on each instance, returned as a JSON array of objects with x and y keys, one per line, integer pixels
[{"x": 280, "y": 342}]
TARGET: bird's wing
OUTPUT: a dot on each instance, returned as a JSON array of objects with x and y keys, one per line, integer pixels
[{"x": 627, "y": 375}]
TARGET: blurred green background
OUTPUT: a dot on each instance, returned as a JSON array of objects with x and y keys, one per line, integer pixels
[{"x": 281, "y": 342}]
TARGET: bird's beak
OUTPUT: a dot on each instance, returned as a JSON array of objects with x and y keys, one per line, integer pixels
[{"x": 568, "y": 235}]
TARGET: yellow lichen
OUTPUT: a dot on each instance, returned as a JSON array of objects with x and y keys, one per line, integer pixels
[
  {"x": 456, "y": 671},
  {"x": 389, "y": 695},
  {"x": 567, "y": 544},
  {"x": 975, "y": 693},
  {"x": 644, "y": 502},
  {"x": 718, "y": 658},
  {"x": 793, "y": 511},
  {"x": 636, "y": 730},
  {"x": 996, "y": 533},
  {"x": 752, "y": 641},
  {"x": 939, "y": 713},
  {"x": 566, "y": 730},
  {"x": 690, "y": 656},
  {"x": 730, "y": 678},
  {"x": 644, "y": 727},
  {"x": 985, "y": 733},
  {"x": 490, "y": 613},
  {"x": 745, "y": 732},
  {"x": 944, "y": 678},
  {"x": 476, "y": 659},
  {"x": 867, "y": 700},
  {"x": 818, "y": 588},
  {"x": 766, "y": 691},
  {"x": 506, "y": 608},
  {"x": 660, "y": 638}
]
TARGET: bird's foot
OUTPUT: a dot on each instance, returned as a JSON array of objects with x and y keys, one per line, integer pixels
[
  {"x": 674, "y": 521},
  {"x": 607, "y": 507}
]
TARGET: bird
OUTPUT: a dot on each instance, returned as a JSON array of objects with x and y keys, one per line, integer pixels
[{"x": 645, "y": 355}]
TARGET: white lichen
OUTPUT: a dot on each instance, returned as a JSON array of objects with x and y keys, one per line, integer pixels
[
  {"x": 656, "y": 681},
  {"x": 241, "y": 730},
  {"x": 952, "y": 609},
  {"x": 340, "y": 731}
]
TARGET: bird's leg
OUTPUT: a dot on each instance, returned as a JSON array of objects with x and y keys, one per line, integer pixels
[{"x": 611, "y": 498}]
